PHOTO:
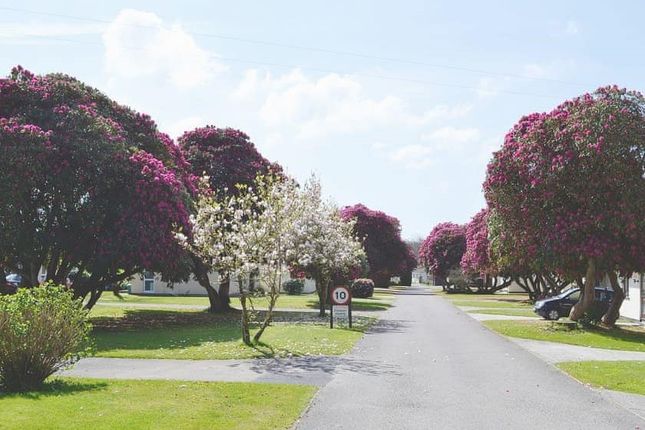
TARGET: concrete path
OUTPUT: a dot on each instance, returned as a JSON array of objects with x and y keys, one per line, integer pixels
[
  {"x": 302, "y": 370},
  {"x": 437, "y": 368},
  {"x": 553, "y": 352}
]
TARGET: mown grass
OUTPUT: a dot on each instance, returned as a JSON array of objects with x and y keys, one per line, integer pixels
[
  {"x": 627, "y": 376},
  {"x": 519, "y": 312},
  {"x": 621, "y": 338},
  {"x": 222, "y": 340},
  {"x": 70, "y": 404}
]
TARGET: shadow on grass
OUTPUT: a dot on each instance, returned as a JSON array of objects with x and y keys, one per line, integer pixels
[
  {"x": 166, "y": 338},
  {"x": 628, "y": 335},
  {"x": 370, "y": 304},
  {"x": 56, "y": 387},
  {"x": 134, "y": 319}
]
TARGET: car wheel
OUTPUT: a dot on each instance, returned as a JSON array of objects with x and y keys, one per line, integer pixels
[{"x": 553, "y": 315}]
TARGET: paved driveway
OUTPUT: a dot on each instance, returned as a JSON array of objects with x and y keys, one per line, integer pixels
[{"x": 434, "y": 367}]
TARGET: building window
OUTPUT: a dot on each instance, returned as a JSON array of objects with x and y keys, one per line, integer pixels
[{"x": 148, "y": 281}]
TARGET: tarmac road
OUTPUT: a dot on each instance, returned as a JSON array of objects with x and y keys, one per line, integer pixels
[{"x": 435, "y": 367}]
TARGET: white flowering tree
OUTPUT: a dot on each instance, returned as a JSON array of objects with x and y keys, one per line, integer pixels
[
  {"x": 321, "y": 243},
  {"x": 244, "y": 236}
]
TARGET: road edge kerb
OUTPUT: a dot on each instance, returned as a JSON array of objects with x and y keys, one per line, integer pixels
[
  {"x": 306, "y": 409},
  {"x": 553, "y": 365}
]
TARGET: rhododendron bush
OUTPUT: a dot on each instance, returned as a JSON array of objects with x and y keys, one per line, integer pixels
[
  {"x": 476, "y": 262},
  {"x": 227, "y": 156},
  {"x": 387, "y": 254},
  {"x": 443, "y": 249},
  {"x": 568, "y": 191},
  {"x": 87, "y": 184}
]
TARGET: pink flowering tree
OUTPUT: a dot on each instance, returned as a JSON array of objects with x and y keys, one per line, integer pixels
[
  {"x": 568, "y": 191},
  {"x": 443, "y": 250},
  {"x": 476, "y": 261},
  {"x": 387, "y": 254},
  {"x": 229, "y": 159},
  {"x": 88, "y": 186}
]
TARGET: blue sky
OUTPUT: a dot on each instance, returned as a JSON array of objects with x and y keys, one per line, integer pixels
[{"x": 397, "y": 105}]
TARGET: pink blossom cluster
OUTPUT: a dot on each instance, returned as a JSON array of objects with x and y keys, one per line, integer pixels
[{"x": 569, "y": 185}]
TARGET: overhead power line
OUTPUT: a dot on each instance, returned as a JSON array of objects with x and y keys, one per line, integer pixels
[
  {"x": 325, "y": 70},
  {"x": 314, "y": 49}
]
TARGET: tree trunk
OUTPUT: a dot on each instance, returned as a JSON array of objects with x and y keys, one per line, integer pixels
[
  {"x": 224, "y": 291},
  {"x": 246, "y": 335},
  {"x": 321, "y": 288},
  {"x": 200, "y": 270},
  {"x": 613, "y": 313},
  {"x": 95, "y": 295},
  {"x": 586, "y": 300},
  {"x": 269, "y": 315}
]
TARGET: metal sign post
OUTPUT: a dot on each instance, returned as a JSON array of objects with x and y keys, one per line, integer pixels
[{"x": 341, "y": 305}]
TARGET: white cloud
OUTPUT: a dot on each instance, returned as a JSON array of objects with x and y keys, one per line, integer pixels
[
  {"x": 330, "y": 104},
  {"x": 178, "y": 128},
  {"x": 139, "y": 44},
  {"x": 415, "y": 156},
  {"x": 572, "y": 27},
  {"x": 434, "y": 145}
]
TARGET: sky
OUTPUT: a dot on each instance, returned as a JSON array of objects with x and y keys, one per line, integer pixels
[{"x": 396, "y": 105}]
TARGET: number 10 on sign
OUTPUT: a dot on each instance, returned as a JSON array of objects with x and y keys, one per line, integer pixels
[{"x": 341, "y": 305}]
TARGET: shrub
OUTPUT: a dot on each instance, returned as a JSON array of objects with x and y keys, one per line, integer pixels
[
  {"x": 294, "y": 287},
  {"x": 42, "y": 329},
  {"x": 362, "y": 288}
]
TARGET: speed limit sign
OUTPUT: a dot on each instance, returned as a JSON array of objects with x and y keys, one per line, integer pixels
[
  {"x": 341, "y": 305},
  {"x": 340, "y": 295}
]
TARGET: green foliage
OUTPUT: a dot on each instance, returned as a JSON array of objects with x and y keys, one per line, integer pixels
[
  {"x": 42, "y": 329},
  {"x": 362, "y": 288},
  {"x": 293, "y": 287}
]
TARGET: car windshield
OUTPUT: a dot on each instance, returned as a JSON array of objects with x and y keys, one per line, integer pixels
[{"x": 566, "y": 291}]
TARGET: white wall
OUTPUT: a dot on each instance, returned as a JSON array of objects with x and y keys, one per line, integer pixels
[
  {"x": 192, "y": 287},
  {"x": 631, "y": 307}
]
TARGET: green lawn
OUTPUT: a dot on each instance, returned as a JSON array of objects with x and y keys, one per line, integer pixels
[
  {"x": 492, "y": 304},
  {"x": 70, "y": 404},
  {"x": 507, "y": 298},
  {"x": 626, "y": 376},
  {"x": 380, "y": 301},
  {"x": 519, "y": 312},
  {"x": 223, "y": 341},
  {"x": 624, "y": 338}
]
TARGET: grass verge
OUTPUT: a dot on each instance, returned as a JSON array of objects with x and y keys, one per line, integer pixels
[
  {"x": 69, "y": 403},
  {"x": 519, "y": 312},
  {"x": 627, "y": 376},
  {"x": 621, "y": 338},
  {"x": 380, "y": 301},
  {"x": 221, "y": 340}
]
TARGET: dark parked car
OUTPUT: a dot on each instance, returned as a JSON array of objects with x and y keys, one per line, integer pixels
[
  {"x": 10, "y": 284},
  {"x": 558, "y": 306}
]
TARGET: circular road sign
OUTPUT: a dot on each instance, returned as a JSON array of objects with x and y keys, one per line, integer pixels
[{"x": 340, "y": 296}]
